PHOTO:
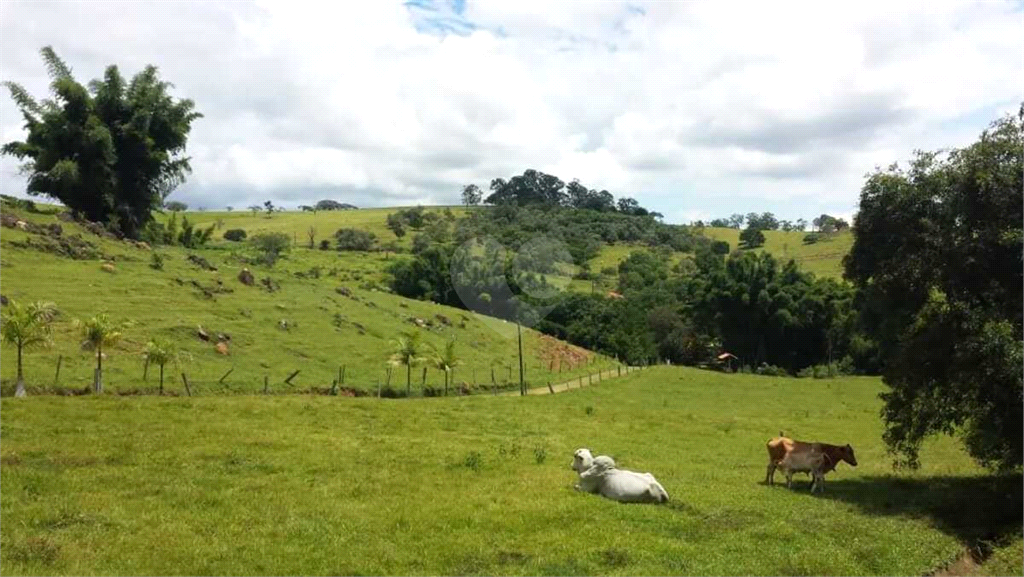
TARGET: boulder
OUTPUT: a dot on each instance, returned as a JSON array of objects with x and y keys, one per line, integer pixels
[
  {"x": 223, "y": 337},
  {"x": 443, "y": 320},
  {"x": 202, "y": 334},
  {"x": 245, "y": 277},
  {"x": 107, "y": 267},
  {"x": 221, "y": 348},
  {"x": 3, "y": 300},
  {"x": 343, "y": 291},
  {"x": 201, "y": 262}
]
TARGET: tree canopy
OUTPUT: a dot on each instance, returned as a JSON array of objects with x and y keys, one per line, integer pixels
[
  {"x": 111, "y": 151},
  {"x": 937, "y": 256}
]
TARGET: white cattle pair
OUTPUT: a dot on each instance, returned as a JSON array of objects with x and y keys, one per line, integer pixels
[{"x": 601, "y": 476}]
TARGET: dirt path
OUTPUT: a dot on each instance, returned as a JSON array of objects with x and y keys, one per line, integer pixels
[{"x": 577, "y": 383}]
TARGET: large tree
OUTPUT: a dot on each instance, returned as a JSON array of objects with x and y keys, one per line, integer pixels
[
  {"x": 110, "y": 151},
  {"x": 937, "y": 255}
]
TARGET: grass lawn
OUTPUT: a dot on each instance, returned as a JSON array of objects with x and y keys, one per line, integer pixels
[{"x": 479, "y": 484}]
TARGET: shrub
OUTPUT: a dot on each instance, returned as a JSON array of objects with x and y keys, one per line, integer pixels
[
  {"x": 325, "y": 244},
  {"x": 270, "y": 245},
  {"x": 235, "y": 235},
  {"x": 157, "y": 261},
  {"x": 752, "y": 237},
  {"x": 772, "y": 371},
  {"x": 720, "y": 247},
  {"x": 811, "y": 238},
  {"x": 355, "y": 239}
]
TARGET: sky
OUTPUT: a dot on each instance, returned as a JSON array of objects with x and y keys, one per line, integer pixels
[{"x": 696, "y": 109}]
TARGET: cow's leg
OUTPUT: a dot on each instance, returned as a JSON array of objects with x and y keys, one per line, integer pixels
[
  {"x": 789, "y": 479},
  {"x": 769, "y": 477}
]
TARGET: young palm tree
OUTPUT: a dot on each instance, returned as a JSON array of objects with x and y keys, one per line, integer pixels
[
  {"x": 25, "y": 327},
  {"x": 446, "y": 360},
  {"x": 160, "y": 352},
  {"x": 407, "y": 352},
  {"x": 99, "y": 331}
]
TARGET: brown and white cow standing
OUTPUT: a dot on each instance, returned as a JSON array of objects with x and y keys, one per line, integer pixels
[{"x": 800, "y": 457}]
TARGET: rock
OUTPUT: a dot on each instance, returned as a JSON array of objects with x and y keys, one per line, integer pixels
[
  {"x": 222, "y": 348},
  {"x": 403, "y": 305},
  {"x": 245, "y": 277},
  {"x": 270, "y": 285},
  {"x": 107, "y": 267},
  {"x": 21, "y": 224},
  {"x": 202, "y": 334},
  {"x": 143, "y": 245},
  {"x": 443, "y": 320},
  {"x": 418, "y": 322},
  {"x": 343, "y": 291},
  {"x": 54, "y": 229},
  {"x": 3, "y": 300},
  {"x": 8, "y": 220},
  {"x": 66, "y": 217},
  {"x": 223, "y": 337}
]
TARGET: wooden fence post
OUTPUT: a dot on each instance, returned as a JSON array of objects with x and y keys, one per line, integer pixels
[
  {"x": 550, "y": 388},
  {"x": 145, "y": 370},
  {"x": 266, "y": 384},
  {"x": 288, "y": 381},
  {"x": 56, "y": 378},
  {"x": 423, "y": 383},
  {"x": 221, "y": 380},
  {"x": 188, "y": 389},
  {"x": 581, "y": 381},
  {"x": 590, "y": 379},
  {"x": 341, "y": 379}
]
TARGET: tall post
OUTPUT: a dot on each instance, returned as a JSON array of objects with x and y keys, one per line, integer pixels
[{"x": 519, "y": 331}]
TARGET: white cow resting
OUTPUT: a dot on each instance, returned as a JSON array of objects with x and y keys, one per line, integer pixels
[{"x": 599, "y": 475}]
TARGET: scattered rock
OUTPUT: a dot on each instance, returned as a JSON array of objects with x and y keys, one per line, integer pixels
[
  {"x": 286, "y": 325},
  {"x": 343, "y": 291},
  {"x": 245, "y": 277},
  {"x": 66, "y": 216},
  {"x": 22, "y": 225},
  {"x": 54, "y": 229},
  {"x": 281, "y": 306},
  {"x": 3, "y": 300},
  {"x": 223, "y": 337},
  {"x": 143, "y": 245},
  {"x": 201, "y": 262},
  {"x": 202, "y": 334},
  {"x": 222, "y": 348},
  {"x": 418, "y": 322},
  {"x": 443, "y": 320},
  {"x": 9, "y": 221},
  {"x": 74, "y": 247},
  {"x": 403, "y": 305},
  {"x": 270, "y": 285},
  {"x": 107, "y": 267}
]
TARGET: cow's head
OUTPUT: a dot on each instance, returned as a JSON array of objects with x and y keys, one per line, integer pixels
[
  {"x": 848, "y": 455},
  {"x": 581, "y": 460}
]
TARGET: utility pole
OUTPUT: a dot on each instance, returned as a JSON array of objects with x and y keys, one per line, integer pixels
[{"x": 519, "y": 331}]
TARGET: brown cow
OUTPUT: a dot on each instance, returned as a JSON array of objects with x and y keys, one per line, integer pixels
[{"x": 798, "y": 456}]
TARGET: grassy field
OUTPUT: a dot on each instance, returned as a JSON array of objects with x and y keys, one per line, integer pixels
[
  {"x": 481, "y": 485},
  {"x": 823, "y": 258},
  {"x": 306, "y": 324}
]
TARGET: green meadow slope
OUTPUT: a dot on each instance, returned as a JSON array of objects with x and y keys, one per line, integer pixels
[
  {"x": 481, "y": 485},
  {"x": 823, "y": 258},
  {"x": 316, "y": 320}
]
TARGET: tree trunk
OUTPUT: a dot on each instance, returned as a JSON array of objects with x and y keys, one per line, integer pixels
[{"x": 19, "y": 391}]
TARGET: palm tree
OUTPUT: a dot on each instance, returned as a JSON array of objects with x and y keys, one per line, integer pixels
[
  {"x": 407, "y": 352},
  {"x": 160, "y": 352},
  {"x": 446, "y": 360},
  {"x": 27, "y": 326},
  {"x": 99, "y": 331}
]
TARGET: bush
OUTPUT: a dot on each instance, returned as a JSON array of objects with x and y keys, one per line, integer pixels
[
  {"x": 270, "y": 245},
  {"x": 235, "y": 235},
  {"x": 720, "y": 247},
  {"x": 811, "y": 238},
  {"x": 325, "y": 244},
  {"x": 157, "y": 261},
  {"x": 752, "y": 237},
  {"x": 772, "y": 371},
  {"x": 355, "y": 239}
]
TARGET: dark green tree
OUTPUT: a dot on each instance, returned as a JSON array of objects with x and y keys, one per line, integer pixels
[
  {"x": 937, "y": 256},
  {"x": 752, "y": 237},
  {"x": 111, "y": 151}
]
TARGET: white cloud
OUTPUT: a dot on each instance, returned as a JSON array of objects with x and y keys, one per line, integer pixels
[{"x": 693, "y": 108}]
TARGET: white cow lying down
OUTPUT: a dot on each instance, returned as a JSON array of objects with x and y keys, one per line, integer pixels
[{"x": 600, "y": 475}]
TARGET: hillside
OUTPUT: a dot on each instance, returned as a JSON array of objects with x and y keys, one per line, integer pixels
[
  {"x": 481, "y": 485},
  {"x": 823, "y": 258},
  {"x": 306, "y": 323}
]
